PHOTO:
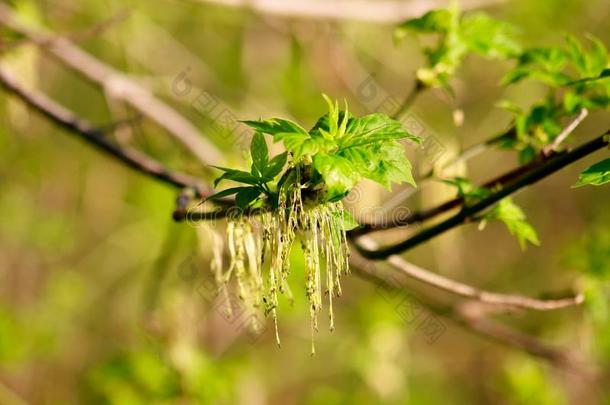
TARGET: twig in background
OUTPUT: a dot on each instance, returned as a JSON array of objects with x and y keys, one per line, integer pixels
[
  {"x": 66, "y": 119},
  {"x": 121, "y": 87},
  {"x": 468, "y": 291},
  {"x": 567, "y": 131},
  {"x": 464, "y": 315}
]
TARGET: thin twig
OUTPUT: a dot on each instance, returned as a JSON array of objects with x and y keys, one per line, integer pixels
[
  {"x": 533, "y": 175},
  {"x": 567, "y": 131},
  {"x": 474, "y": 151},
  {"x": 76, "y": 37},
  {"x": 66, "y": 119},
  {"x": 120, "y": 87}
]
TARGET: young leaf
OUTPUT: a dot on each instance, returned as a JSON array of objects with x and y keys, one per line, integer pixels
[
  {"x": 489, "y": 37},
  {"x": 227, "y": 192},
  {"x": 337, "y": 172},
  {"x": 235, "y": 175},
  {"x": 301, "y": 145},
  {"x": 466, "y": 190},
  {"x": 375, "y": 128},
  {"x": 595, "y": 175},
  {"x": 438, "y": 21},
  {"x": 383, "y": 162},
  {"x": 275, "y": 126},
  {"x": 275, "y": 166},
  {"x": 246, "y": 195},
  {"x": 393, "y": 166},
  {"x": 513, "y": 217},
  {"x": 259, "y": 152},
  {"x": 458, "y": 36}
]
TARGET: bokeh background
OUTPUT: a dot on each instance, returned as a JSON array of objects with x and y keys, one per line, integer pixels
[{"x": 104, "y": 299}]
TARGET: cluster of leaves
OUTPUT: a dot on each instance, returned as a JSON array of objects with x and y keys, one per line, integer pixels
[
  {"x": 339, "y": 150},
  {"x": 262, "y": 172},
  {"x": 506, "y": 211},
  {"x": 577, "y": 74},
  {"x": 577, "y": 77},
  {"x": 459, "y": 35}
]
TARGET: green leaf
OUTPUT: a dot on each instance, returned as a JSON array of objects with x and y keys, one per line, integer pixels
[
  {"x": 595, "y": 175},
  {"x": 337, "y": 172},
  {"x": 382, "y": 162},
  {"x": 489, "y": 37},
  {"x": 239, "y": 176},
  {"x": 246, "y": 195},
  {"x": 275, "y": 126},
  {"x": 433, "y": 21},
  {"x": 227, "y": 192},
  {"x": 259, "y": 152},
  {"x": 301, "y": 145},
  {"x": 466, "y": 190},
  {"x": 543, "y": 64},
  {"x": 393, "y": 167},
  {"x": 374, "y": 128},
  {"x": 275, "y": 166},
  {"x": 514, "y": 218}
]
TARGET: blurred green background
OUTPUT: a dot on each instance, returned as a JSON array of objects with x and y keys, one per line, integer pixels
[{"x": 102, "y": 295}]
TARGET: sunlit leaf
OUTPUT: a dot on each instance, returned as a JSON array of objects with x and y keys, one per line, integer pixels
[{"x": 595, "y": 175}]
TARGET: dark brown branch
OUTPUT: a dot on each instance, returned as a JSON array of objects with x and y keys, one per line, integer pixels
[
  {"x": 64, "y": 118},
  {"x": 529, "y": 176}
]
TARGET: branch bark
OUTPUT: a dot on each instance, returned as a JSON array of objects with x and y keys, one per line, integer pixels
[{"x": 66, "y": 119}]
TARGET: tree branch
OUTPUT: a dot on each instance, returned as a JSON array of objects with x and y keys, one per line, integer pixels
[
  {"x": 530, "y": 176},
  {"x": 567, "y": 131},
  {"x": 468, "y": 291},
  {"x": 64, "y": 118},
  {"x": 466, "y": 315},
  {"x": 120, "y": 87}
]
